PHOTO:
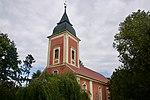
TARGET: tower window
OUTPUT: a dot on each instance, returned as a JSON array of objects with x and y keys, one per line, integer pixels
[
  {"x": 56, "y": 53},
  {"x": 73, "y": 54}
]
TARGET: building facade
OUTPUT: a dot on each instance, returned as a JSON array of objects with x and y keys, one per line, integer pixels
[{"x": 63, "y": 55}]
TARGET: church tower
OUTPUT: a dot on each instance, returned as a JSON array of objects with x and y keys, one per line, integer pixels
[
  {"x": 63, "y": 56},
  {"x": 63, "y": 46}
]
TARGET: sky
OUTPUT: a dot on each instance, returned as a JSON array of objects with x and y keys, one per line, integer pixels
[{"x": 29, "y": 22}]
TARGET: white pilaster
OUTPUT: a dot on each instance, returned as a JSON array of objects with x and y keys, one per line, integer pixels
[
  {"x": 91, "y": 90},
  {"x": 78, "y": 56},
  {"x": 48, "y": 56},
  {"x": 65, "y": 52}
]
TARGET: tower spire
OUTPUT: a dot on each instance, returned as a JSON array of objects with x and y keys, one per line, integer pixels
[
  {"x": 64, "y": 23},
  {"x": 65, "y": 17}
]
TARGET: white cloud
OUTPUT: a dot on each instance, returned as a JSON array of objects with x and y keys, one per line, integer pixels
[{"x": 28, "y": 23}]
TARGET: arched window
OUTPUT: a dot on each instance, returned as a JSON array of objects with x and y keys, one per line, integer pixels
[
  {"x": 84, "y": 86},
  {"x": 56, "y": 53},
  {"x": 55, "y": 72}
]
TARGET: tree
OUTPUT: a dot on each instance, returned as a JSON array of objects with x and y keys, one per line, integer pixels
[
  {"x": 52, "y": 87},
  {"x": 69, "y": 87},
  {"x": 8, "y": 59},
  {"x": 132, "y": 79},
  {"x": 27, "y": 65},
  {"x": 12, "y": 74},
  {"x": 36, "y": 75}
]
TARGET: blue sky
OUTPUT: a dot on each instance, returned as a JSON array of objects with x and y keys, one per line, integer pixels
[{"x": 29, "y": 22}]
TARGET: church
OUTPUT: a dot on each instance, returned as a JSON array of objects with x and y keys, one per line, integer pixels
[{"x": 63, "y": 56}]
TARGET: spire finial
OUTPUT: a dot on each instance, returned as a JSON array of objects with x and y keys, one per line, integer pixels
[{"x": 65, "y": 5}]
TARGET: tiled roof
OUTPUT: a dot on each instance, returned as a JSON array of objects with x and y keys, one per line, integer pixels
[{"x": 90, "y": 74}]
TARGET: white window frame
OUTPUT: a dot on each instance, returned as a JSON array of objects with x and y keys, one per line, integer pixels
[
  {"x": 58, "y": 55},
  {"x": 73, "y": 60},
  {"x": 84, "y": 86}
]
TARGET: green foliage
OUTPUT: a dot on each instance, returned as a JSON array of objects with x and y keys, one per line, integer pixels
[
  {"x": 52, "y": 87},
  {"x": 43, "y": 89},
  {"x": 28, "y": 64},
  {"x": 36, "y": 75},
  {"x": 69, "y": 88},
  {"x": 132, "y": 79},
  {"x": 84, "y": 96},
  {"x": 7, "y": 90},
  {"x": 12, "y": 74},
  {"x": 25, "y": 69},
  {"x": 10, "y": 65},
  {"x": 8, "y": 59},
  {"x": 121, "y": 85}
]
